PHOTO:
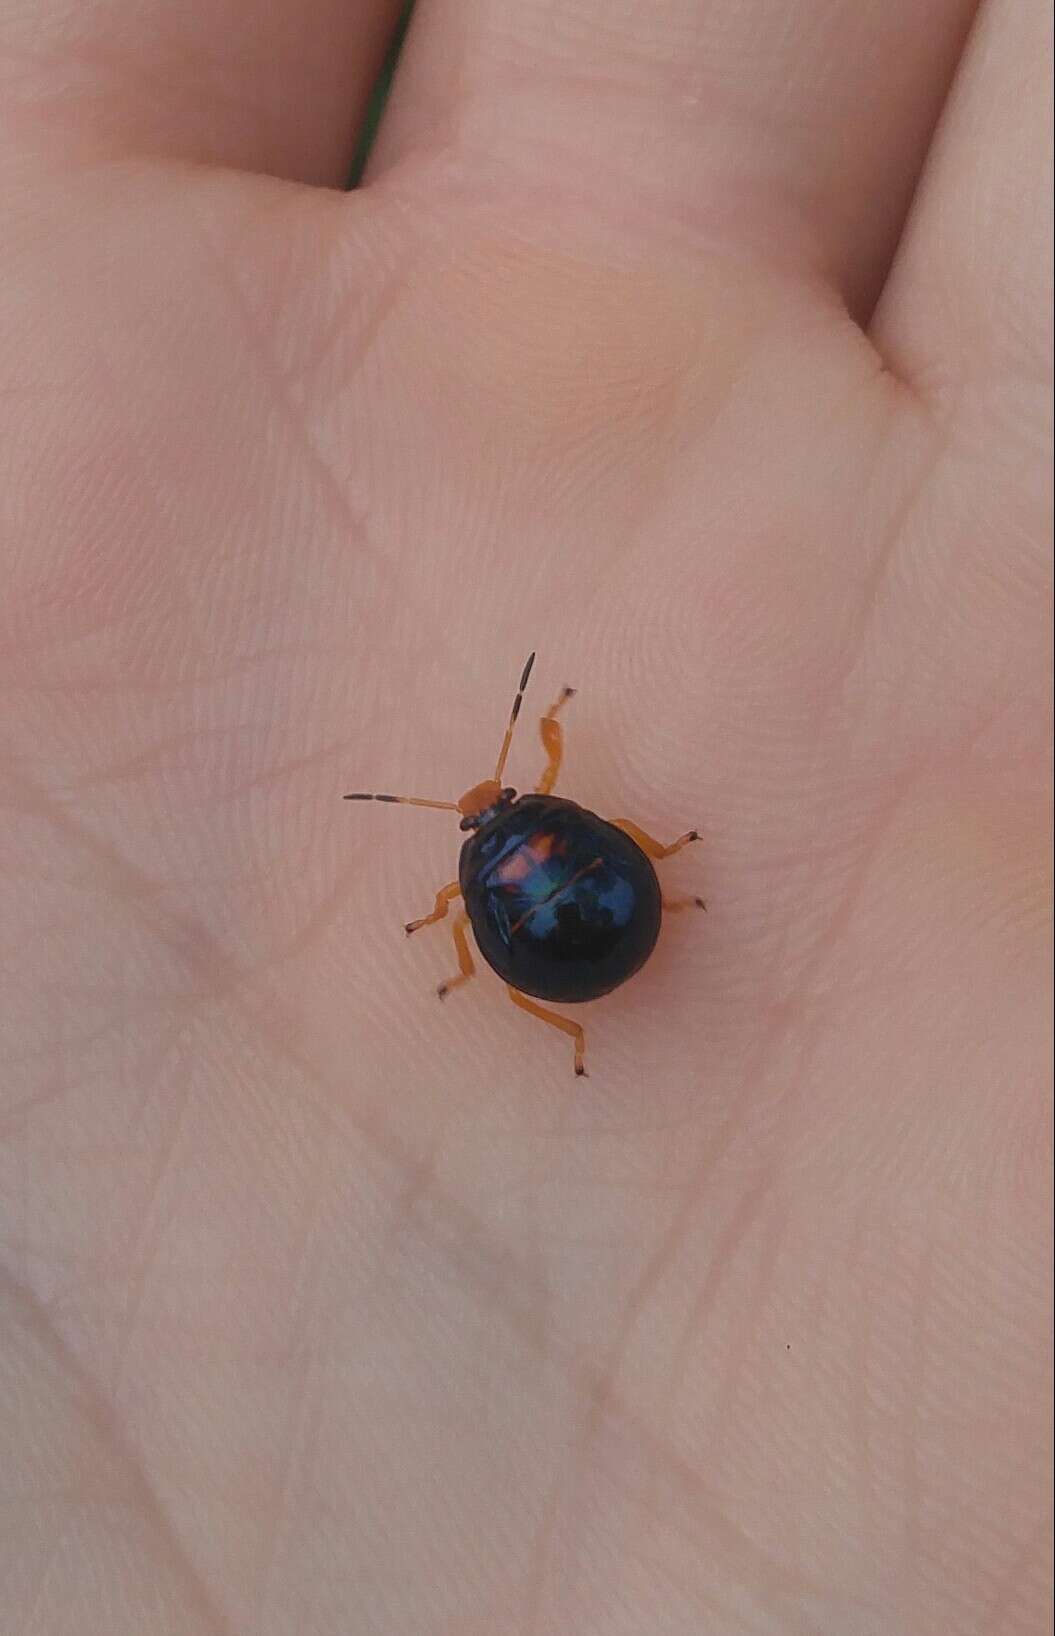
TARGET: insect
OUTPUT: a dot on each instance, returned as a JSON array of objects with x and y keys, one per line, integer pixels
[{"x": 563, "y": 905}]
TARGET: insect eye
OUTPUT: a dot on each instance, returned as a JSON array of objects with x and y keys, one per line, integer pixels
[{"x": 509, "y": 795}]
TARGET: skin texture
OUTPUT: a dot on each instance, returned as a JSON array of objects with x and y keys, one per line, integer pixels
[{"x": 668, "y": 339}]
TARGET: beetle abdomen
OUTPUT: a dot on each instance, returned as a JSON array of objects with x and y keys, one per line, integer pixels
[{"x": 563, "y": 905}]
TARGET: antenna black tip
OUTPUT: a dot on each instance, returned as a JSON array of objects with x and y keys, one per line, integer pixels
[{"x": 526, "y": 672}]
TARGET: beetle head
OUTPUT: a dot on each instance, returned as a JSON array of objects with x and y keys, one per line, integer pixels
[{"x": 483, "y": 801}]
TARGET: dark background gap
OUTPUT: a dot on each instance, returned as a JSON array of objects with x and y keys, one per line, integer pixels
[{"x": 378, "y": 98}]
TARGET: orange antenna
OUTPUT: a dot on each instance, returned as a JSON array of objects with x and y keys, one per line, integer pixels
[
  {"x": 407, "y": 801},
  {"x": 513, "y": 714}
]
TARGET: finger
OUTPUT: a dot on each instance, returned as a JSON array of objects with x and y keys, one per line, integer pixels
[
  {"x": 254, "y": 84},
  {"x": 969, "y": 297},
  {"x": 799, "y": 122}
]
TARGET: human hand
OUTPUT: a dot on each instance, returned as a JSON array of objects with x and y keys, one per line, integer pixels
[{"x": 330, "y": 1310}]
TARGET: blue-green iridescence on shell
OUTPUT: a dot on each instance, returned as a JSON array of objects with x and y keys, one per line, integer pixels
[{"x": 563, "y": 905}]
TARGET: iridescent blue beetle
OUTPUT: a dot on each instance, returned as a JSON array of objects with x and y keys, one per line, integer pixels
[{"x": 564, "y": 905}]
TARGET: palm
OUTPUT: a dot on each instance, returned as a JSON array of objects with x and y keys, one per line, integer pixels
[{"x": 329, "y": 1299}]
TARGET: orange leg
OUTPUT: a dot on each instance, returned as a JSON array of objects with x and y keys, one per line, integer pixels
[
  {"x": 565, "y": 1024},
  {"x": 466, "y": 968},
  {"x": 671, "y": 906},
  {"x": 552, "y": 742},
  {"x": 444, "y": 898},
  {"x": 654, "y": 849}
]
